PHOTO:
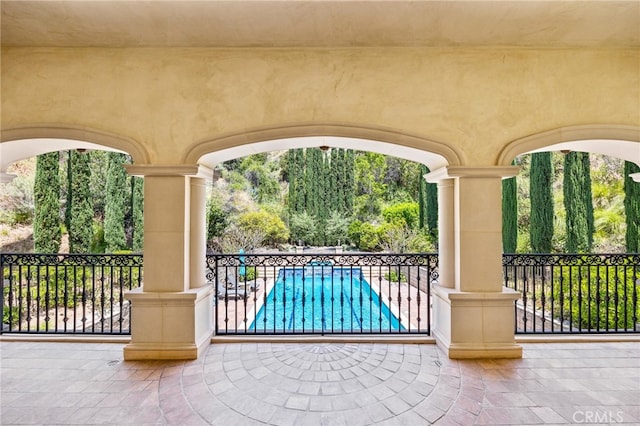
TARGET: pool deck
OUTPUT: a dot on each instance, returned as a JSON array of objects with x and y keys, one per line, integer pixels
[{"x": 319, "y": 384}]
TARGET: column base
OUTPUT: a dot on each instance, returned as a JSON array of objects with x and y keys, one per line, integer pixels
[
  {"x": 157, "y": 351},
  {"x": 169, "y": 325},
  {"x": 475, "y": 325}
]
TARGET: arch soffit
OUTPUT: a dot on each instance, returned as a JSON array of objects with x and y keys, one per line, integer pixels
[
  {"x": 71, "y": 137},
  {"x": 618, "y": 141},
  {"x": 213, "y": 151}
]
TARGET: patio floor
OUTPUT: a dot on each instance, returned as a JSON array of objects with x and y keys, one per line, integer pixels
[{"x": 319, "y": 384}]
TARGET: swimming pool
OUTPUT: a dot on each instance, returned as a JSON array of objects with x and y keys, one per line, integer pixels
[{"x": 323, "y": 299}]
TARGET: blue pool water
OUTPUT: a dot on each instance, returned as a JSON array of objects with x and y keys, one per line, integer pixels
[{"x": 321, "y": 298}]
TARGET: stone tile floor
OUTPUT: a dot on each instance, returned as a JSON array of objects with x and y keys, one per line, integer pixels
[{"x": 319, "y": 384}]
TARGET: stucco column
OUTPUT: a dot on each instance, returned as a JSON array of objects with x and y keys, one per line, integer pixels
[
  {"x": 478, "y": 231},
  {"x": 446, "y": 228},
  {"x": 475, "y": 318},
  {"x": 446, "y": 232},
  {"x": 166, "y": 227},
  {"x": 171, "y": 314},
  {"x": 198, "y": 232}
]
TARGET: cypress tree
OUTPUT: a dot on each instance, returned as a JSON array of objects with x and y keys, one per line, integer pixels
[
  {"x": 576, "y": 204},
  {"x": 341, "y": 186},
  {"x": 427, "y": 203},
  {"x": 116, "y": 197},
  {"x": 69, "y": 201},
  {"x": 422, "y": 195},
  {"x": 509, "y": 215},
  {"x": 301, "y": 195},
  {"x": 334, "y": 184},
  {"x": 632, "y": 208},
  {"x": 292, "y": 176},
  {"x": 137, "y": 194},
  {"x": 324, "y": 197},
  {"x": 349, "y": 188},
  {"x": 99, "y": 166},
  {"x": 81, "y": 209},
  {"x": 308, "y": 182},
  {"x": 312, "y": 181},
  {"x": 587, "y": 196},
  {"x": 46, "y": 192},
  {"x": 541, "y": 225}
]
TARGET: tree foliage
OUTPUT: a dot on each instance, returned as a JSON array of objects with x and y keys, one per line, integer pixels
[
  {"x": 263, "y": 181},
  {"x": 541, "y": 228},
  {"x": 632, "y": 208},
  {"x": 303, "y": 228},
  {"x": 295, "y": 176},
  {"x": 578, "y": 203},
  {"x": 137, "y": 213},
  {"x": 320, "y": 183},
  {"x": 337, "y": 228},
  {"x": 46, "y": 225},
  {"x": 275, "y": 231},
  {"x": 427, "y": 204},
  {"x": 509, "y": 215},
  {"x": 369, "y": 237},
  {"x": 313, "y": 183},
  {"x": 235, "y": 239},
  {"x": 402, "y": 214},
  {"x": 370, "y": 189},
  {"x": 81, "y": 205},
  {"x": 117, "y": 196},
  {"x": 99, "y": 175},
  {"x": 217, "y": 218},
  {"x": 396, "y": 238}
]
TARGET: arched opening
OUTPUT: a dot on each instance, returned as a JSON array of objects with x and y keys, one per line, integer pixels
[
  {"x": 620, "y": 143},
  {"x": 384, "y": 141},
  {"x": 571, "y": 229},
  {"x": 385, "y": 283},
  {"x": 29, "y": 142},
  {"x": 617, "y": 141},
  {"x": 25, "y": 142},
  {"x": 73, "y": 291}
]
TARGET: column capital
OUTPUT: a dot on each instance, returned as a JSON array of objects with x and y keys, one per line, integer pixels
[
  {"x": 437, "y": 175},
  {"x": 477, "y": 172},
  {"x": 193, "y": 170}
]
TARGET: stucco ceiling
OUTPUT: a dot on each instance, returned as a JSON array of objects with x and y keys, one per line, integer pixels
[{"x": 292, "y": 23}]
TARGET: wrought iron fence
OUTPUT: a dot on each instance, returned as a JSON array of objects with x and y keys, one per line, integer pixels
[
  {"x": 322, "y": 293},
  {"x": 67, "y": 293},
  {"x": 575, "y": 293},
  {"x": 319, "y": 293}
]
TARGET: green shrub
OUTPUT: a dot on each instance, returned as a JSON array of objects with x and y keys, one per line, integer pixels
[
  {"x": 402, "y": 214},
  {"x": 303, "y": 228},
  {"x": 353, "y": 233},
  {"x": 394, "y": 276},
  {"x": 22, "y": 216},
  {"x": 369, "y": 237},
  {"x": 11, "y": 315},
  {"x": 271, "y": 225},
  {"x": 98, "y": 245},
  {"x": 581, "y": 294},
  {"x": 251, "y": 273}
]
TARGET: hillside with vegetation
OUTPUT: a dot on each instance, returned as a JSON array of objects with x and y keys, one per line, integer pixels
[{"x": 314, "y": 197}]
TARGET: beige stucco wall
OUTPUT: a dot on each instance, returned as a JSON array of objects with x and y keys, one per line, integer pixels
[{"x": 476, "y": 100}]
